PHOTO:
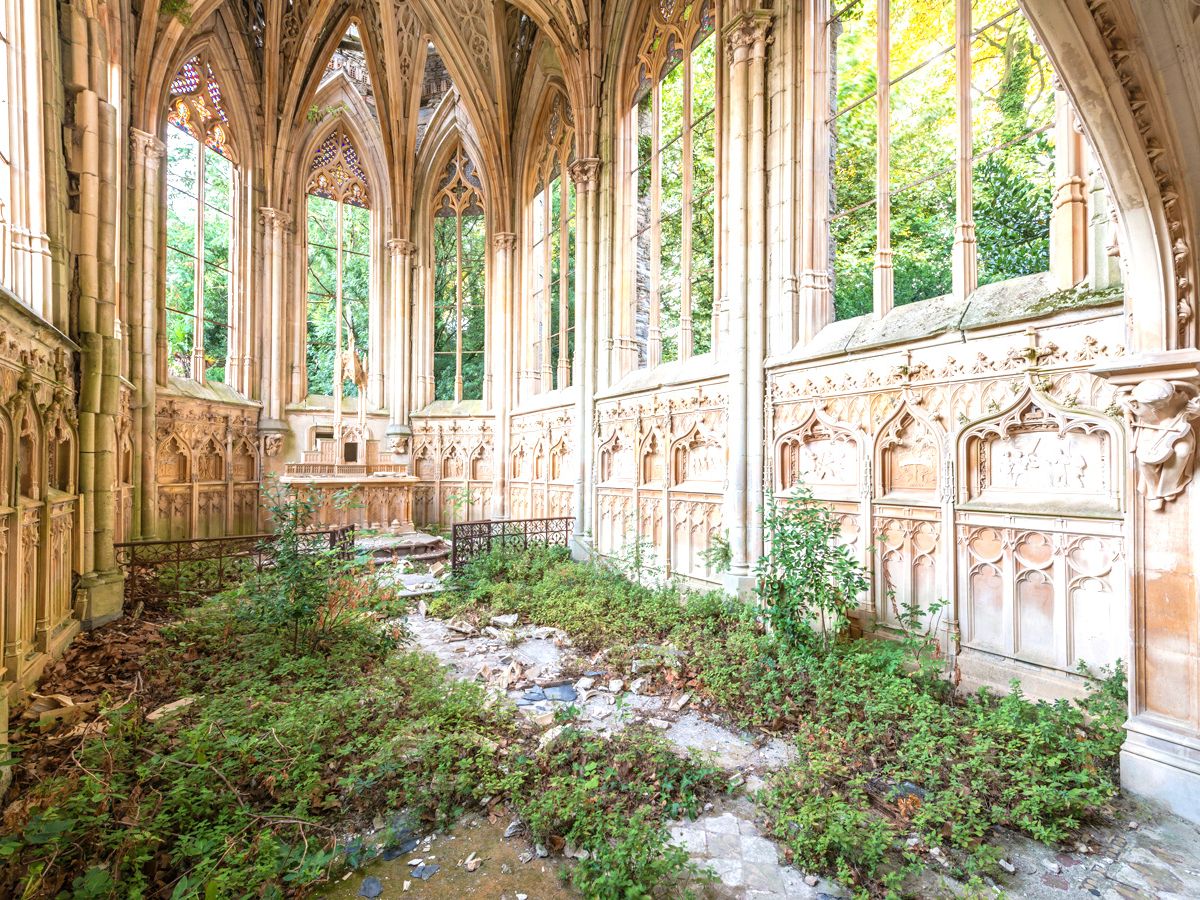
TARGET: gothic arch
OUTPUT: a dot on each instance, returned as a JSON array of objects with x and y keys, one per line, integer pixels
[
  {"x": 908, "y": 454},
  {"x": 823, "y": 454}
]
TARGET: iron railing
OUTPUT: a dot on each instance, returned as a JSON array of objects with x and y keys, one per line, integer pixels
[
  {"x": 201, "y": 567},
  {"x": 472, "y": 539}
]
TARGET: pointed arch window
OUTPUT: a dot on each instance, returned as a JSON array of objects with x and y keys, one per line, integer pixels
[
  {"x": 339, "y": 268},
  {"x": 673, "y": 115},
  {"x": 459, "y": 282},
  {"x": 201, "y": 185},
  {"x": 552, "y": 250}
]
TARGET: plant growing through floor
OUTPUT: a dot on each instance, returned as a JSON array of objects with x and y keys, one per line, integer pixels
[
  {"x": 919, "y": 633},
  {"x": 808, "y": 581},
  {"x": 298, "y": 594}
]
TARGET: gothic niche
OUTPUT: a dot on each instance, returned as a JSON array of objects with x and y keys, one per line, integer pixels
[
  {"x": 518, "y": 464},
  {"x": 652, "y": 460},
  {"x": 172, "y": 462},
  {"x": 614, "y": 460},
  {"x": 27, "y": 455},
  {"x": 452, "y": 464},
  {"x": 1036, "y": 454},
  {"x": 423, "y": 465},
  {"x": 481, "y": 464},
  {"x": 210, "y": 462},
  {"x": 698, "y": 457},
  {"x": 908, "y": 458},
  {"x": 244, "y": 463},
  {"x": 558, "y": 456},
  {"x": 819, "y": 455}
]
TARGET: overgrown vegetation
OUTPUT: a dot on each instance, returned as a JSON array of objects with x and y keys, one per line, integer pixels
[
  {"x": 303, "y": 719},
  {"x": 888, "y": 751}
]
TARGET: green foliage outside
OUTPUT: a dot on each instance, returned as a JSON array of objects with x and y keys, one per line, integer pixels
[
  {"x": 875, "y": 727},
  {"x": 448, "y": 272},
  {"x": 197, "y": 244},
  {"x": 1011, "y": 111},
  {"x": 323, "y": 254}
]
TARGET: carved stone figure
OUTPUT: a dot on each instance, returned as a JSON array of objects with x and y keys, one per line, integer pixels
[
  {"x": 272, "y": 444},
  {"x": 1161, "y": 414}
]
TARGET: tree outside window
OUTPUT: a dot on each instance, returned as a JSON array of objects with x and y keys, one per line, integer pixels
[
  {"x": 459, "y": 282},
  {"x": 552, "y": 254},
  {"x": 920, "y": 197},
  {"x": 199, "y": 219},
  {"x": 674, "y": 120},
  {"x": 339, "y": 269}
]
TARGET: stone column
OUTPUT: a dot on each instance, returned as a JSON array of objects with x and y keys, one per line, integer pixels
[
  {"x": 275, "y": 225},
  {"x": 884, "y": 280},
  {"x": 747, "y": 37},
  {"x": 1069, "y": 221},
  {"x": 585, "y": 173},
  {"x": 964, "y": 259},
  {"x": 144, "y": 283},
  {"x": 815, "y": 289},
  {"x": 1160, "y": 394},
  {"x": 401, "y": 254},
  {"x": 501, "y": 352}
]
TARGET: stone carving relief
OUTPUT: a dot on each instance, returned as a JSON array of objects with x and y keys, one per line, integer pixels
[
  {"x": 453, "y": 457},
  {"x": 821, "y": 454},
  {"x": 1161, "y": 414},
  {"x": 1036, "y": 453},
  {"x": 909, "y": 457}
]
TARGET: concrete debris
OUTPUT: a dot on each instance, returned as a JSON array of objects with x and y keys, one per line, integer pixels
[
  {"x": 680, "y": 702},
  {"x": 1007, "y": 866},
  {"x": 170, "y": 710},
  {"x": 615, "y": 685},
  {"x": 513, "y": 829},
  {"x": 506, "y": 621}
]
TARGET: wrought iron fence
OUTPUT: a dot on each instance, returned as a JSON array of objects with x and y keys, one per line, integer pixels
[
  {"x": 472, "y": 539},
  {"x": 201, "y": 567}
]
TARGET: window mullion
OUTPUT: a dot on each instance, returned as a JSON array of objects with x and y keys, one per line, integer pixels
[
  {"x": 198, "y": 367},
  {"x": 458, "y": 309},
  {"x": 685, "y": 220},
  {"x": 883, "y": 286},
  {"x": 654, "y": 334},
  {"x": 964, "y": 259},
  {"x": 564, "y": 271},
  {"x": 547, "y": 375}
]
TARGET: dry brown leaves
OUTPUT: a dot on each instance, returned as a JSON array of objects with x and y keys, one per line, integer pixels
[{"x": 101, "y": 670}]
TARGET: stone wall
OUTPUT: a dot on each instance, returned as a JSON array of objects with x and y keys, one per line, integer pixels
[
  {"x": 541, "y": 463},
  {"x": 452, "y": 455},
  {"x": 660, "y": 473},
  {"x": 207, "y": 463},
  {"x": 40, "y": 523}
]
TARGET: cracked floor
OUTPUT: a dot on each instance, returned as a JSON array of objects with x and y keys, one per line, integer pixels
[{"x": 1148, "y": 853}]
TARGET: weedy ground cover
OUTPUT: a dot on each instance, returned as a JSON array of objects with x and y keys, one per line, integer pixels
[
  {"x": 892, "y": 762},
  {"x": 305, "y": 719}
]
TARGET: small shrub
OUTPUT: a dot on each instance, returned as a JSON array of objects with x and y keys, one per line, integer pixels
[{"x": 807, "y": 576}]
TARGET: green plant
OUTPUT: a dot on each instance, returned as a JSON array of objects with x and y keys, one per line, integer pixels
[
  {"x": 806, "y": 576},
  {"x": 718, "y": 555},
  {"x": 298, "y": 593},
  {"x": 180, "y": 10}
]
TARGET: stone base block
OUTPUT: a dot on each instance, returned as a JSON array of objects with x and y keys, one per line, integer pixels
[
  {"x": 581, "y": 547},
  {"x": 1162, "y": 763},
  {"x": 739, "y": 585},
  {"x": 5, "y": 771},
  {"x": 100, "y": 597}
]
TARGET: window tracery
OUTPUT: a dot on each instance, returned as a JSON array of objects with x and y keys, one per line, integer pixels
[
  {"x": 201, "y": 188},
  {"x": 552, "y": 251},
  {"x": 339, "y": 268},
  {"x": 674, "y": 102},
  {"x": 459, "y": 288}
]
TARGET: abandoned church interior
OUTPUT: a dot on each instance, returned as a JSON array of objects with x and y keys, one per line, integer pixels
[{"x": 643, "y": 267}]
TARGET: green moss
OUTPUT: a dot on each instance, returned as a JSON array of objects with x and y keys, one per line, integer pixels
[{"x": 1075, "y": 298}]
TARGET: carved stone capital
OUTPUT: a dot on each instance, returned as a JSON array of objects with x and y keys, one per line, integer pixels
[
  {"x": 1160, "y": 396},
  {"x": 402, "y": 247},
  {"x": 748, "y": 35},
  {"x": 274, "y": 218},
  {"x": 505, "y": 240},
  {"x": 585, "y": 173},
  {"x": 146, "y": 145}
]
